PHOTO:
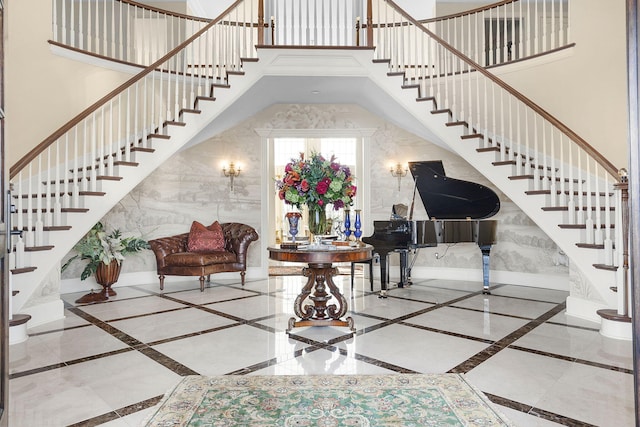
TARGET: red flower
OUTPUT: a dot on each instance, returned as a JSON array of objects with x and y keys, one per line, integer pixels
[
  {"x": 323, "y": 186},
  {"x": 304, "y": 185}
]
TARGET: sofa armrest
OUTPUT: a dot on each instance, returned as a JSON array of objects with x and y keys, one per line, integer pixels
[
  {"x": 168, "y": 245},
  {"x": 237, "y": 238}
]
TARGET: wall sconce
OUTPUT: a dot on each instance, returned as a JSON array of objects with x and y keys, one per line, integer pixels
[
  {"x": 231, "y": 173},
  {"x": 399, "y": 173}
]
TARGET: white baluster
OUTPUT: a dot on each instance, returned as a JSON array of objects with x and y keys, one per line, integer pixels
[
  {"x": 563, "y": 174},
  {"x": 29, "y": 237},
  {"x": 50, "y": 192},
  {"x": 536, "y": 167},
  {"x": 112, "y": 142},
  {"x": 589, "y": 223},
  {"x": 581, "y": 192},
  {"x": 75, "y": 194},
  {"x": 571, "y": 205},
  {"x": 57, "y": 206},
  {"x": 39, "y": 225},
  {"x": 599, "y": 238},
  {"x": 20, "y": 261},
  {"x": 20, "y": 204},
  {"x": 608, "y": 243},
  {"x": 553, "y": 188}
]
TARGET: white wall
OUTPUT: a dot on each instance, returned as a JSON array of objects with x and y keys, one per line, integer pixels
[
  {"x": 191, "y": 187},
  {"x": 42, "y": 90}
]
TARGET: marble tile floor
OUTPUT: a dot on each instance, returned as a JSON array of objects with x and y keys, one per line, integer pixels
[{"x": 109, "y": 363}]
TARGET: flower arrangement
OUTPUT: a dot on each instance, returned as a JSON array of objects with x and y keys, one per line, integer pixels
[
  {"x": 97, "y": 246},
  {"x": 316, "y": 182}
]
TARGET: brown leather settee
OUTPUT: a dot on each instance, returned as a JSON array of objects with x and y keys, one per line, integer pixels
[{"x": 173, "y": 258}]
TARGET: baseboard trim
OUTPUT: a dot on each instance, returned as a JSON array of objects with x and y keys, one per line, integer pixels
[
  {"x": 546, "y": 281},
  {"x": 68, "y": 286},
  {"x": 44, "y": 313}
]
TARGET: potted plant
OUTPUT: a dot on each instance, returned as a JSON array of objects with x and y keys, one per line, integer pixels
[{"x": 104, "y": 253}]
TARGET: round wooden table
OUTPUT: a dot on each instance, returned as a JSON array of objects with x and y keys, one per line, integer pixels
[{"x": 320, "y": 272}]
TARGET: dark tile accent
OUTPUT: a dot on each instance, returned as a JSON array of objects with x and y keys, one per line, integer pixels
[
  {"x": 68, "y": 363},
  {"x": 537, "y": 412},
  {"x": 585, "y": 328},
  {"x": 193, "y": 334},
  {"x": 118, "y": 413},
  {"x": 137, "y": 407},
  {"x": 453, "y": 334},
  {"x": 503, "y": 343},
  {"x": 138, "y": 345},
  {"x": 573, "y": 359},
  {"x": 167, "y": 362},
  {"x": 96, "y": 421}
]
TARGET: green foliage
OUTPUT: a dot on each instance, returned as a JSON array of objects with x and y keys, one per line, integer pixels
[{"x": 97, "y": 246}]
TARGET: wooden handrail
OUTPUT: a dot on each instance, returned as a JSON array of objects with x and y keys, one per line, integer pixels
[
  {"x": 31, "y": 155},
  {"x": 597, "y": 156},
  {"x": 467, "y": 12},
  {"x": 165, "y": 11}
]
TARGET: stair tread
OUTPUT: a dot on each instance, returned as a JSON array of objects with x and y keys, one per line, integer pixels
[
  {"x": 23, "y": 270},
  {"x": 613, "y": 315},
  {"x": 577, "y": 208},
  {"x": 19, "y": 319},
  {"x": 575, "y": 193},
  {"x": 581, "y": 226},
  {"x": 606, "y": 267},
  {"x": 38, "y": 248}
]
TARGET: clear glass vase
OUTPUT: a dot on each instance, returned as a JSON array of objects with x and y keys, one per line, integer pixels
[{"x": 318, "y": 224}]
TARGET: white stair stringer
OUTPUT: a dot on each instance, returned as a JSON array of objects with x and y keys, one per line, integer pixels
[
  {"x": 590, "y": 286},
  {"x": 30, "y": 299}
]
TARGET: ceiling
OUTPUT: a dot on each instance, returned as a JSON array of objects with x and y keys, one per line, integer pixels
[{"x": 270, "y": 90}]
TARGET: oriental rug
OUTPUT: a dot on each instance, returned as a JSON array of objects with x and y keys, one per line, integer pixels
[{"x": 398, "y": 400}]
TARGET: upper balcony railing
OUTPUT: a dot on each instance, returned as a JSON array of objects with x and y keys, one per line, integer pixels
[
  {"x": 131, "y": 32},
  {"x": 506, "y": 31},
  {"x": 121, "y": 30}
]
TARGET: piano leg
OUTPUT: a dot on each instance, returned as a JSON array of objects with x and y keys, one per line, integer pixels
[
  {"x": 403, "y": 269},
  {"x": 383, "y": 275},
  {"x": 485, "y": 249}
]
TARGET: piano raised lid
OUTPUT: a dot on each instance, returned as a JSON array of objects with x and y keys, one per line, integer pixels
[{"x": 458, "y": 210}]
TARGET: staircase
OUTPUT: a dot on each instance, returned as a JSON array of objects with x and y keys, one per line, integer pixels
[{"x": 74, "y": 177}]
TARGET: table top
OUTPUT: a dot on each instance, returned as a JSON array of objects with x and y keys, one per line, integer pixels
[{"x": 321, "y": 255}]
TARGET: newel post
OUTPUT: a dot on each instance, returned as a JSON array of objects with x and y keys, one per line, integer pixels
[
  {"x": 624, "y": 308},
  {"x": 260, "y": 22}
]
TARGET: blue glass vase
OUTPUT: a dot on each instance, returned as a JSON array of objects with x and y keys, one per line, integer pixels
[
  {"x": 358, "y": 225},
  {"x": 347, "y": 224}
]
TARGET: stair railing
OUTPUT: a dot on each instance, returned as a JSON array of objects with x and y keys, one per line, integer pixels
[
  {"x": 312, "y": 22},
  {"x": 506, "y": 31},
  {"x": 575, "y": 177},
  {"x": 121, "y": 30},
  {"x": 71, "y": 161}
]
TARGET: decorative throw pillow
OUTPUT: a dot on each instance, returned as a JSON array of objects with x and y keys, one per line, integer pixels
[{"x": 205, "y": 239}]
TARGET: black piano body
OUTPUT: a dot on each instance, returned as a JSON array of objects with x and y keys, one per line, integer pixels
[{"x": 458, "y": 210}]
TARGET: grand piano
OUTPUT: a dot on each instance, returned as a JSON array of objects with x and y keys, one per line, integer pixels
[{"x": 457, "y": 210}]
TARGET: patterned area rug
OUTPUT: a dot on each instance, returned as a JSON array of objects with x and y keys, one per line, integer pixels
[{"x": 398, "y": 400}]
